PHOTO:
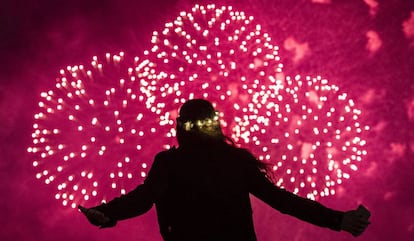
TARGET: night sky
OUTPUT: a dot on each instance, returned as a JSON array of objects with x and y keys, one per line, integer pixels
[{"x": 366, "y": 47}]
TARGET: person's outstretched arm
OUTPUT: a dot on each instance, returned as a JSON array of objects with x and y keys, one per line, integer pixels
[
  {"x": 302, "y": 208},
  {"x": 134, "y": 203}
]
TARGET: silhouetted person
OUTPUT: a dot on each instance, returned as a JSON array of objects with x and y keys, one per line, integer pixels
[{"x": 201, "y": 189}]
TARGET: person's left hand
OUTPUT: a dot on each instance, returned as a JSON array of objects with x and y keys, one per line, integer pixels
[{"x": 356, "y": 221}]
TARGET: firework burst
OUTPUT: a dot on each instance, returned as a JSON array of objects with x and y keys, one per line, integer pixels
[
  {"x": 97, "y": 131},
  {"x": 91, "y": 134}
]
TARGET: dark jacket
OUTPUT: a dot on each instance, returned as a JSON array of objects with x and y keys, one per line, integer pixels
[{"x": 202, "y": 194}]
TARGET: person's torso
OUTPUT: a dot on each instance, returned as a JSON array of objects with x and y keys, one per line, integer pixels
[{"x": 207, "y": 197}]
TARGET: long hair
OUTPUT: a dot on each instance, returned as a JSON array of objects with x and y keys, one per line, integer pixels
[{"x": 198, "y": 125}]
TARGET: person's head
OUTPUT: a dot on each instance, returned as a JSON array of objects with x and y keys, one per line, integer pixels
[{"x": 198, "y": 123}]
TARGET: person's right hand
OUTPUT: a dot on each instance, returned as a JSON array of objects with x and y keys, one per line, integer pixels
[
  {"x": 356, "y": 221},
  {"x": 95, "y": 217}
]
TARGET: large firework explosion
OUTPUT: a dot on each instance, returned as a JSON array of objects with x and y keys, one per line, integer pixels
[{"x": 97, "y": 130}]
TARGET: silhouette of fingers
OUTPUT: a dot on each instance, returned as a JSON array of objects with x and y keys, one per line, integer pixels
[
  {"x": 355, "y": 223},
  {"x": 82, "y": 209}
]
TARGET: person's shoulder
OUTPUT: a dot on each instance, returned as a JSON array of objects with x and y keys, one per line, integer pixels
[
  {"x": 242, "y": 153},
  {"x": 166, "y": 154}
]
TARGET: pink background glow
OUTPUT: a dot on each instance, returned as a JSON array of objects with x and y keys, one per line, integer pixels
[{"x": 364, "y": 47}]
